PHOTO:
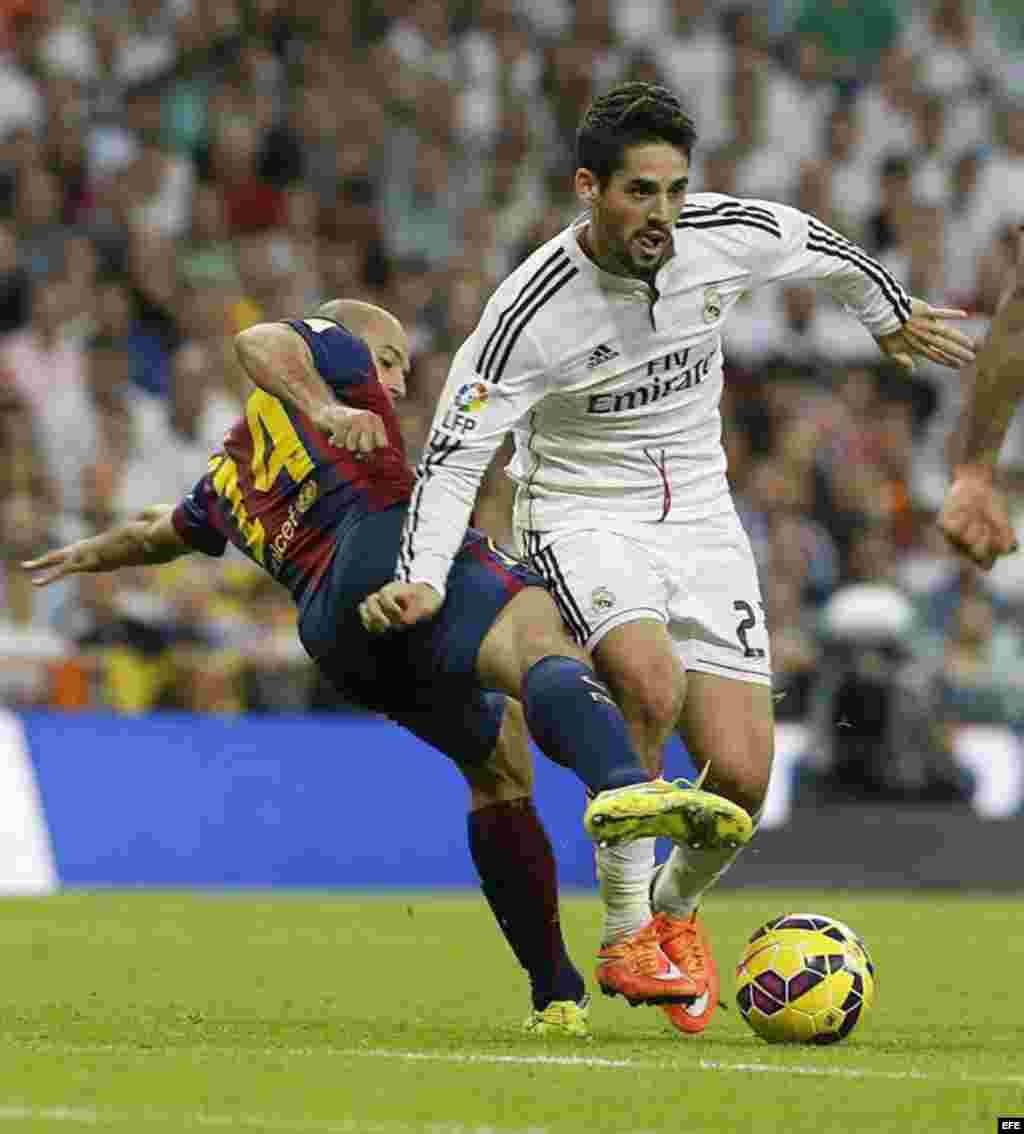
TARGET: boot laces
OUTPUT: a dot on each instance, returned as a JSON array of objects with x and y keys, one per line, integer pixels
[
  {"x": 686, "y": 940},
  {"x": 641, "y": 952},
  {"x": 699, "y": 781}
]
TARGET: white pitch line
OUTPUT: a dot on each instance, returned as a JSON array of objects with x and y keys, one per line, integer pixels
[
  {"x": 89, "y": 1116},
  {"x": 861, "y": 1073},
  {"x": 469, "y": 1058}
]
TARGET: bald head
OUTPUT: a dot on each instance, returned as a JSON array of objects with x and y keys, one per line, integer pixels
[
  {"x": 382, "y": 333},
  {"x": 360, "y": 317}
]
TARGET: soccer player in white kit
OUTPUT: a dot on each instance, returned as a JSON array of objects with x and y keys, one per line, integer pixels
[{"x": 602, "y": 354}]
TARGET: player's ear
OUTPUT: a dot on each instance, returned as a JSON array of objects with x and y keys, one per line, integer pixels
[{"x": 587, "y": 187}]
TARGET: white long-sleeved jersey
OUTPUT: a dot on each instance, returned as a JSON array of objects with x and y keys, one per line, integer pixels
[{"x": 611, "y": 386}]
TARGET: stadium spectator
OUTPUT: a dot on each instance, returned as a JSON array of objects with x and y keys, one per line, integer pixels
[
  {"x": 38, "y": 214},
  {"x": 45, "y": 369},
  {"x": 252, "y": 203},
  {"x": 979, "y": 678},
  {"x": 15, "y": 288},
  {"x": 421, "y": 207},
  {"x": 957, "y": 55},
  {"x": 1001, "y": 186},
  {"x": 852, "y": 35},
  {"x": 886, "y": 106},
  {"x": 853, "y": 190},
  {"x": 22, "y": 103},
  {"x": 30, "y": 648}
]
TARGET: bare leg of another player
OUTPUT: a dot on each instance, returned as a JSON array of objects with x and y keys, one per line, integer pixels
[
  {"x": 728, "y": 725},
  {"x": 647, "y": 680},
  {"x": 725, "y": 722}
]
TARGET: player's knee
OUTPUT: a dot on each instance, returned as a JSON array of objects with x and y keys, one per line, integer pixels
[
  {"x": 652, "y": 699},
  {"x": 495, "y": 790},
  {"x": 746, "y": 781},
  {"x": 753, "y": 790},
  {"x": 508, "y": 771},
  {"x": 547, "y": 642},
  {"x": 505, "y": 777}
]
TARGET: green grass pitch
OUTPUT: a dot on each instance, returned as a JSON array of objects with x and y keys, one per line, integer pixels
[{"x": 400, "y": 1014}]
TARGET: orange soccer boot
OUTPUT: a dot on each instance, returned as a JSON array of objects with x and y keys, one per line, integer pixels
[
  {"x": 686, "y": 943},
  {"x": 639, "y": 969}
]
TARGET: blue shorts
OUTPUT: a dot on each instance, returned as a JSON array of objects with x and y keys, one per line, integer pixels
[{"x": 423, "y": 678}]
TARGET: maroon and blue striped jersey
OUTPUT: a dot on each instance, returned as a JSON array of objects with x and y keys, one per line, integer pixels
[{"x": 279, "y": 491}]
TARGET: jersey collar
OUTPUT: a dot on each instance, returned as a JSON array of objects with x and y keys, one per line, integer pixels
[{"x": 606, "y": 281}]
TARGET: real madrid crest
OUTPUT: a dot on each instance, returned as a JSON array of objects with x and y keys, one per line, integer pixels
[
  {"x": 712, "y": 304},
  {"x": 601, "y": 600}
]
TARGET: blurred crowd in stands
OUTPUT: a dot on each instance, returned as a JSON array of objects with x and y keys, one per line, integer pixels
[{"x": 172, "y": 171}]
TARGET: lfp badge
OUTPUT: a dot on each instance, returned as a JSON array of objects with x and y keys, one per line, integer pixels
[{"x": 472, "y": 397}]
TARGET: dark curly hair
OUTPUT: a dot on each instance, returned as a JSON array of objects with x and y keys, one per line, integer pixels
[{"x": 630, "y": 114}]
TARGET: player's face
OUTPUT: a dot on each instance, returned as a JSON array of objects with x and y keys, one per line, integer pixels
[
  {"x": 632, "y": 218},
  {"x": 390, "y": 349}
]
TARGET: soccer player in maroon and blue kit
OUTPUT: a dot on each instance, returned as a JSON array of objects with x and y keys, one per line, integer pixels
[{"x": 313, "y": 485}]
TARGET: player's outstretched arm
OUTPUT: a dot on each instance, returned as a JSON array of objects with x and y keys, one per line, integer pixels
[
  {"x": 278, "y": 361},
  {"x": 975, "y": 518},
  {"x": 783, "y": 243},
  {"x": 149, "y": 540}
]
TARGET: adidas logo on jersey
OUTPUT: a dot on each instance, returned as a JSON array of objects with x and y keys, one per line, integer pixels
[{"x": 600, "y": 355}]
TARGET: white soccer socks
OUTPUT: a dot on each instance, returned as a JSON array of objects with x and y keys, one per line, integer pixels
[
  {"x": 624, "y": 876},
  {"x": 687, "y": 873}
]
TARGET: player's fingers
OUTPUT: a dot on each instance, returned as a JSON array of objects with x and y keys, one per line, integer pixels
[
  {"x": 955, "y": 540},
  {"x": 391, "y": 608},
  {"x": 1005, "y": 539},
  {"x": 414, "y": 612},
  {"x": 943, "y": 358},
  {"x": 45, "y": 578},
  {"x": 371, "y": 616},
  {"x": 948, "y": 331},
  {"x": 47, "y": 560},
  {"x": 937, "y": 350},
  {"x": 942, "y": 312},
  {"x": 939, "y": 347},
  {"x": 979, "y": 543},
  {"x": 960, "y": 347}
]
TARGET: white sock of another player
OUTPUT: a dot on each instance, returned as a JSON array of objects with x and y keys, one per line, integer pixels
[
  {"x": 687, "y": 874},
  {"x": 624, "y": 875}
]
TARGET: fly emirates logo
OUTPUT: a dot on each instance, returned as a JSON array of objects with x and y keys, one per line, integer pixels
[{"x": 666, "y": 376}]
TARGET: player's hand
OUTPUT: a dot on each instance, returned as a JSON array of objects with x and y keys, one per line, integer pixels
[
  {"x": 975, "y": 519},
  {"x": 359, "y": 431},
  {"x": 70, "y": 560},
  {"x": 398, "y": 605},
  {"x": 926, "y": 335}
]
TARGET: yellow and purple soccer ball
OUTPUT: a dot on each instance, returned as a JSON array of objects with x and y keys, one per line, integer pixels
[{"x": 805, "y": 978}]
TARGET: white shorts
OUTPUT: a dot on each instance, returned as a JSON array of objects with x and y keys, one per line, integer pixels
[{"x": 699, "y": 579}]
